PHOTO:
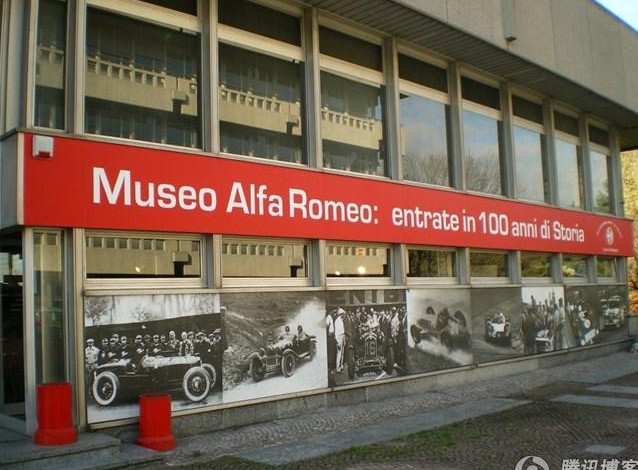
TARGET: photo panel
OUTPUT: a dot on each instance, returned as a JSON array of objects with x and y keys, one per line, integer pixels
[
  {"x": 597, "y": 313},
  {"x": 546, "y": 323},
  {"x": 151, "y": 344},
  {"x": 366, "y": 335},
  {"x": 496, "y": 323},
  {"x": 276, "y": 344},
  {"x": 439, "y": 329}
]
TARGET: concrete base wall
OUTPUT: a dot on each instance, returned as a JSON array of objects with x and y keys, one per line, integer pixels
[{"x": 245, "y": 413}]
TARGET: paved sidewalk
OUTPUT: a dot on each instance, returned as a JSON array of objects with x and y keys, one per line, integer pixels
[{"x": 519, "y": 398}]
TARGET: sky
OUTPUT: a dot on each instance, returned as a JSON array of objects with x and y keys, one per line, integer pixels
[{"x": 627, "y": 10}]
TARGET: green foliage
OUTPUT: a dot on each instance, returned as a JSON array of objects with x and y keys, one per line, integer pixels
[{"x": 630, "y": 189}]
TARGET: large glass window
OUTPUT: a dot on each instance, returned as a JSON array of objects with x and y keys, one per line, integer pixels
[
  {"x": 575, "y": 267},
  {"x": 126, "y": 256},
  {"x": 529, "y": 151},
  {"x": 607, "y": 268},
  {"x": 142, "y": 81},
  {"x": 260, "y": 95},
  {"x": 488, "y": 264},
  {"x": 49, "y": 79},
  {"x": 434, "y": 263},
  {"x": 600, "y": 171},
  {"x": 425, "y": 122},
  {"x": 482, "y": 131},
  {"x": 570, "y": 174},
  {"x": 264, "y": 258},
  {"x": 357, "y": 260},
  {"x": 351, "y": 109}
]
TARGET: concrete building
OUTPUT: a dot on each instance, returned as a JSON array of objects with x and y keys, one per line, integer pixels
[{"x": 266, "y": 206}]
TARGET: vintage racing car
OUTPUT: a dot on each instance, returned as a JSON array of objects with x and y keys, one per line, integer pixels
[
  {"x": 368, "y": 353},
  {"x": 450, "y": 330},
  {"x": 281, "y": 356},
  {"x": 498, "y": 329},
  {"x": 153, "y": 372},
  {"x": 612, "y": 312}
]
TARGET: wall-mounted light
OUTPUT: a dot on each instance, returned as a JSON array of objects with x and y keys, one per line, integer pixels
[{"x": 42, "y": 146}]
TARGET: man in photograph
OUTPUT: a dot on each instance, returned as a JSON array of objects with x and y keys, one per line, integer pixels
[{"x": 340, "y": 337}]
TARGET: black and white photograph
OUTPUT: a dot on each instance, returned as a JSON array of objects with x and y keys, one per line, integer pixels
[
  {"x": 439, "y": 329},
  {"x": 151, "y": 344},
  {"x": 496, "y": 323},
  {"x": 546, "y": 324},
  {"x": 597, "y": 312},
  {"x": 276, "y": 344},
  {"x": 366, "y": 335}
]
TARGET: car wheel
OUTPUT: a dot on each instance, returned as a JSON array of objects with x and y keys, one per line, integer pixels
[
  {"x": 415, "y": 332},
  {"x": 212, "y": 374},
  {"x": 105, "y": 388},
  {"x": 196, "y": 384},
  {"x": 446, "y": 339},
  {"x": 288, "y": 364}
]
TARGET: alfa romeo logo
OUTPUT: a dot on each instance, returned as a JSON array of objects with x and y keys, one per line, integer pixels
[
  {"x": 609, "y": 236},
  {"x": 531, "y": 462}
]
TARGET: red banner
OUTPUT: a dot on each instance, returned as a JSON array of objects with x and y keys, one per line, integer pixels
[{"x": 111, "y": 186}]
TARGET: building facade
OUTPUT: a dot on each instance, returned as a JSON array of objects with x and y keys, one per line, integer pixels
[{"x": 240, "y": 202}]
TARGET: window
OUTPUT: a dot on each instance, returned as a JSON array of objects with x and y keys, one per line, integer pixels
[
  {"x": 139, "y": 257},
  {"x": 569, "y": 166},
  {"x": 357, "y": 260},
  {"x": 351, "y": 108},
  {"x": 607, "y": 268},
  {"x": 529, "y": 151},
  {"x": 425, "y": 122},
  {"x": 601, "y": 169},
  {"x": 482, "y": 137},
  {"x": 260, "y": 95},
  {"x": 50, "y": 59},
  {"x": 142, "y": 81},
  {"x": 274, "y": 259},
  {"x": 575, "y": 267},
  {"x": 435, "y": 263},
  {"x": 536, "y": 265},
  {"x": 488, "y": 264},
  {"x": 183, "y": 6}
]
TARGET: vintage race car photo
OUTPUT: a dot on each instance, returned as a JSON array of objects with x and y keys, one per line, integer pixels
[
  {"x": 120, "y": 377},
  {"x": 281, "y": 356},
  {"x": 612, "y": 312},
  {"x": 498, "y": 329},
  {"x": 450, "y": 330},
  {"x": 367, "y": 354}
]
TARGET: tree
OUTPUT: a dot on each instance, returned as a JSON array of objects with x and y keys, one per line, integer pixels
[{"x": 630, "y": 188}]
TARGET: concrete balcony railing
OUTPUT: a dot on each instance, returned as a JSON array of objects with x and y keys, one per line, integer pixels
[
  {"x": 50, "y": 67},
  {"x": 350, "y": 129}
]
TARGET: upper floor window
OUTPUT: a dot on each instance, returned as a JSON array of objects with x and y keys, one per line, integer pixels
[
  {"x": 424, "y": 112},
  {"x": 50, "y": 64},
  {"x": 569, "y": 166},
  {"x": 261, "y": 111},
  {"x": 607, "y": 268},
  {"x": 352, "y": 104},
  {"x": 601, "y": 170},
  {"x": 482, "y": 136},
  {"x": 536, "y": 265},
  {"x": 575, "y": 267},
  {"x": 142, "y": 81},
  {"x": 530, "y": 155}
]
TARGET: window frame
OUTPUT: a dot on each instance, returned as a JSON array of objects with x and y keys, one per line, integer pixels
[
  {"x": 537, "y": 279},
  {"x": 134, "y": 283},
  {"x": 481, "y": 280},
  {"x": 577, "y": 279},
  {"x": 428, "y": 280},
  {"x": 609, "y": 279},
  {"x": 344, "y": 281},
  {"x": 247, "y": 281}
]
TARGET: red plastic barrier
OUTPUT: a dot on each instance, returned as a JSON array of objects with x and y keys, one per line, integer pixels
[
  {"x": 55, "y": 415},
  {"x": 155, "y": 422}
]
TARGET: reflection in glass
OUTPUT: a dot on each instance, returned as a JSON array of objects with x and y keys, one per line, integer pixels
[
  {"x": 600, "y": 181},
  {"x": 424, "y": 146},
  {"x": 352, "y": 125},
  {"x": 260, "y": 106},
  {"x": 570, "y": 176},
  {"x": 431, "y": 263},
  {"x": 49, "y": 305},
  {"x": 49, "y": 80},
  {"x": 536, "y": 264},
  {"x": 530, "y": 181},
  {"x": 255, "y": 258},
  {"x": 481, "y": 137},
  {"x": 575, "y": 266},
  {"x": 607, "y": 267},
  {"x": 484, "y": 264},
  {"x": 135, "y": 257},
  {"x": 142, "y": 81},
  {"x": 344, "y": 260}
]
